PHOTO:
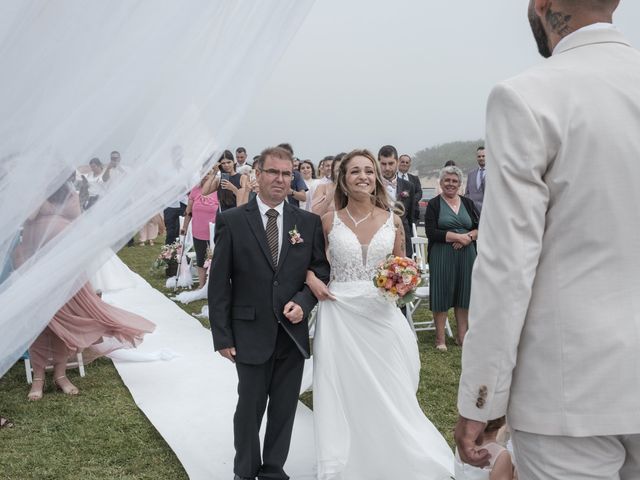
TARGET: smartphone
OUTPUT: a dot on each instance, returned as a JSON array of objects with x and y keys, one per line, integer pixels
[
  {"x": 252, "y": 175},
  {"x": 224, "y": 176}
]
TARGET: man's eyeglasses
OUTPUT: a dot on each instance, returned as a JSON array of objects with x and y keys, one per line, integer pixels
[{"x": 272, "y": 172}]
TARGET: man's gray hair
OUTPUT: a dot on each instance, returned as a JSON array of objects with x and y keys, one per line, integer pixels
[{"x": 451, "y": 170}]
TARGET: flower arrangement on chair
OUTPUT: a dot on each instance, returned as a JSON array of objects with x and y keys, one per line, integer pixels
[
  {"x": 397, "y": 279},
  {"x": 167, "y": 259}
]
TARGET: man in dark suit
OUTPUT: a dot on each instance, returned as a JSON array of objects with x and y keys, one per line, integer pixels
[
  {"x": 258, "y": 304},
  {"x": 476, "y": 180},
  {"x": 399, "y": 190},
  {"x": 404, "y": 165}
]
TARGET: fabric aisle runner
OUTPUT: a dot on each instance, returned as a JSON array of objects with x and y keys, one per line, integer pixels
[{"x": 190, "y": 400}]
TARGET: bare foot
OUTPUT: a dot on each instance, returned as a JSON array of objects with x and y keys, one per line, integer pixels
[
  {"x": 37, "y": 387},
  {"x": 66, "y": 386}
]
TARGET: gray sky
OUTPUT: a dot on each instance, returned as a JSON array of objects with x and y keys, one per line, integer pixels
[{"x": 413, "y": 73}]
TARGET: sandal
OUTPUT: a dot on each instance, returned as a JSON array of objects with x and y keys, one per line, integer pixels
[
  {"x": 441, "y": 347},
  {"x": 35, "y": 394},
  {"x": 5, "y": 423},
  {"x": 67, "y": 388}
]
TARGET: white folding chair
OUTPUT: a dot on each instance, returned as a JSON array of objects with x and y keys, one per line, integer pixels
[
  {"x": 78, "y": 363},
  {"x": 419, "y": 248},
  {"x": 212, "y": 231}
]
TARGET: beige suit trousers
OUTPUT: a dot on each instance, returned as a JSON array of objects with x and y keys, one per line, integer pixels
[{"x": 555, "y": 457}]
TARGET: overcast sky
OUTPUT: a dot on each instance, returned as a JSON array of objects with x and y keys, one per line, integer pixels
[{"x": 413, "y": 73}]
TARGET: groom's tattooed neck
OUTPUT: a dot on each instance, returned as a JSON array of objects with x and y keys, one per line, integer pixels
[{"x": 559, "y": 22}]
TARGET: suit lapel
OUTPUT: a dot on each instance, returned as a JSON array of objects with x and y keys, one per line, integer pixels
[
  {"x": 255, "y": 222},
  {"x": 288, "y": 223}
]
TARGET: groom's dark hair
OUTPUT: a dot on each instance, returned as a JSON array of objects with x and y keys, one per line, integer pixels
[{"x": 277, "y": 152}]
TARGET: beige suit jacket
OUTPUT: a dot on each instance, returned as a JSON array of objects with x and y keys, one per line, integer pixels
[{"x": 555, "y": 303}]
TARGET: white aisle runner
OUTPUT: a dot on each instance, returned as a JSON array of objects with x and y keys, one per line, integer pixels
[{"x": 191, "y": 399}]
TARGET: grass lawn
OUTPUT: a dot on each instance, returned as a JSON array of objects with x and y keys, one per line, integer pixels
[{"x": 101, "y": 434}]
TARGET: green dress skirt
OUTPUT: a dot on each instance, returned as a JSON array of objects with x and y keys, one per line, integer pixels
[{"x": 449, "y": 269}]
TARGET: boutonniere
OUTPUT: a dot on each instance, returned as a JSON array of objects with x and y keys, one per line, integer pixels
[
  {"x": 404, "y": 194},
  {"x": 294, "y": 236}
]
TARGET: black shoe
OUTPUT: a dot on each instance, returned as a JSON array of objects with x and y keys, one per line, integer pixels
[{"x": 237, "y": 477}]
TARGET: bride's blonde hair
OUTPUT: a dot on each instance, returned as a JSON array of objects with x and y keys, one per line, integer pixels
[{"x": 379, "y": 196}]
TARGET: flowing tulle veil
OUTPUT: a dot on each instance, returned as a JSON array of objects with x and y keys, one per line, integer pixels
[{"x": 163, "y": 82}]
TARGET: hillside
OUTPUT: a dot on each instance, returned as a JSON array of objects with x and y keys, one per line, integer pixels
[{"x": 429, "y": 161}]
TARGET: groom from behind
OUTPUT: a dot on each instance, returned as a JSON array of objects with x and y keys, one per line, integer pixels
[
  {"x": 259, "y": 304},
  {"x": 559, "y": 349}
]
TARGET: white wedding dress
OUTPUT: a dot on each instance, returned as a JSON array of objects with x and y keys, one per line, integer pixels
[{"x": 368, "y": 423}]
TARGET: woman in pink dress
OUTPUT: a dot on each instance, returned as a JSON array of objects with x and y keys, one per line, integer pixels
[
  {"x": 201, "y": 210},
  {"x": 85, "y": 323}
]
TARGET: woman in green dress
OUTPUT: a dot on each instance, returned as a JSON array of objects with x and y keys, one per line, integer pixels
[{"x": 451, "y": 223}]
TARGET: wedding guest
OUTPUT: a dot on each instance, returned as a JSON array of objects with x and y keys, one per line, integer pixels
[
  {"x": 172, "y": 215},
  {"x": 476, "y": 180},
  {"x": 241, "y": 157},
  {"x": 201, "y": 210},
  {"x": 175, "y": 209},
  {"x": 451, "y": 223},
  {"x": 400, "y": 191},
  {"x": 500, "y": 464},
  {"x": 232, "y": 187},
  {"x": 150, "y": 230},
  {"x": 95, "y": 182},
  {"x": 298, "y": 188},
  {"x": 308, "y": 173},
  {"x": 404, "y": 165},
  {"x": 85, "y": 322},
  {"x": 114, "y": 170},
  {"x": 323, "y": 200},
  {"x": 254, "y": 186}
]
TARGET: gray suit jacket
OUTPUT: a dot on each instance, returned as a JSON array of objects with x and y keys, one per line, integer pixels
[
  {"x": 472, "y": 191},
  {"x": 554, "y": 318}
]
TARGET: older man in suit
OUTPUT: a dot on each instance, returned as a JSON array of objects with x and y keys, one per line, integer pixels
[
  {"x": 259, "y": 305},
  {"x": 404, "y": 165},
  {"x": 559, "y": 350},
  {"x": 476, "y": 180}
]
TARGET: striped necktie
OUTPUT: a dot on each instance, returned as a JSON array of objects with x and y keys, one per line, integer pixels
[{"x": 272, "y": 234}]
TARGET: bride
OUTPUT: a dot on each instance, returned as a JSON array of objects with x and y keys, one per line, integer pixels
[{"x": 368, "y": 423}]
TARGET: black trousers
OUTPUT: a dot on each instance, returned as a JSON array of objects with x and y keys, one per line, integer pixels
[
  {"x": 277, "y": 380},
  {"x": 172, "y": 222}
]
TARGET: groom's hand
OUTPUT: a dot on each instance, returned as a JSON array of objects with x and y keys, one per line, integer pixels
[
  {"x": 228, "y": 353},
  {"x": 293, "y": 312},
  {"x": 468, "y": 436}
]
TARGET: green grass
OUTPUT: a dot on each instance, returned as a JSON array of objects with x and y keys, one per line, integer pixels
[{"x": 101, "y": 434}]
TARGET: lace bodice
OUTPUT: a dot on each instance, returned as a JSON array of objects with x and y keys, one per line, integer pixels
[{"x": 351, "y": 261}]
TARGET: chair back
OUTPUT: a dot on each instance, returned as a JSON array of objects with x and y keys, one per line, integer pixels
[
  {"x": 419, "y": 251},
  {"x": 212, "y": 231}
]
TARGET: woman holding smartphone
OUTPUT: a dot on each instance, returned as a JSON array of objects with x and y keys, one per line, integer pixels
[{"x": 232, "y": 187}]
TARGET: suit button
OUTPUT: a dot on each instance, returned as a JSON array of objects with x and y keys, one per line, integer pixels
[{"x": 275, "y": 284}]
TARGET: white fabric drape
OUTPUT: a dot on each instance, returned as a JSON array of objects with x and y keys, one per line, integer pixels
[{"x": 164, "y": 82}]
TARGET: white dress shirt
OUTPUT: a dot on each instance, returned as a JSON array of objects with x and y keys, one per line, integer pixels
[
  {"x": 263, "y": 207},
  {"x": 391, "y": 190},
  {"x": 593, "y": 26}
]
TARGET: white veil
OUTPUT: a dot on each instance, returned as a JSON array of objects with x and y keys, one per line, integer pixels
[{"x": 164, "y": 82}]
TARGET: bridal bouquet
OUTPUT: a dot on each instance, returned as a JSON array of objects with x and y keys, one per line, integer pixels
[{"x": 397, "y": 279}]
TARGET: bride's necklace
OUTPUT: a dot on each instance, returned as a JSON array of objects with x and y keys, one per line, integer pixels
[{"x": 357, "y": 222}]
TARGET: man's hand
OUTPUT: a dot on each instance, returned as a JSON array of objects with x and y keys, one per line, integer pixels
[
  {"x": 228, "y": 353},
  {"x": 468, "y": 436},
  {"x": 293, "y": 312}
]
